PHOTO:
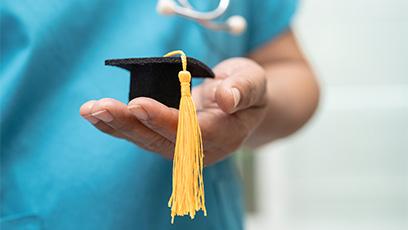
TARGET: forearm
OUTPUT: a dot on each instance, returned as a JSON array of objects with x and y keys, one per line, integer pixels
[{"x": 292, "y": 98}]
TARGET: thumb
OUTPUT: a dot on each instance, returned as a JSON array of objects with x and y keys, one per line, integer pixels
[{"x": 244, "y": 85}]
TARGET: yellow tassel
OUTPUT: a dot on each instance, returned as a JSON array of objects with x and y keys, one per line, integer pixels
[{"x": 188, "y": 188}]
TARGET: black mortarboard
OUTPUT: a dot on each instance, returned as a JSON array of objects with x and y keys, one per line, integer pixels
[{"x": 156, "y": 77}]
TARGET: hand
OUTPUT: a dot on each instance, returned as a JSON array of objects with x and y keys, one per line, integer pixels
[{"x": 229, "y": 108}]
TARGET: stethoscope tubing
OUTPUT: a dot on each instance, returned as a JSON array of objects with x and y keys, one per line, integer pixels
[{"x": 185, "y": 9}]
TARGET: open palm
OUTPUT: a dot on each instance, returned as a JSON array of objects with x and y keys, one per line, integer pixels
[{"x": 229, "y": 108}]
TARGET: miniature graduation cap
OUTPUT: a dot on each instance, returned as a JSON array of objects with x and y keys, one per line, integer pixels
[{"x": 156, "y": 78}]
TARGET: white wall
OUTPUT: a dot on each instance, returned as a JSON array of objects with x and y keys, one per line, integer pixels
[{"x": 348, "y": 169}]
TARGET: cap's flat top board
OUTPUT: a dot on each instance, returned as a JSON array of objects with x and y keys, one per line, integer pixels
[{"x": 194, "y": 66}]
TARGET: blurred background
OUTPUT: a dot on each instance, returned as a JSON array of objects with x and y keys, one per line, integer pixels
[{"x": 348, "y": 168}]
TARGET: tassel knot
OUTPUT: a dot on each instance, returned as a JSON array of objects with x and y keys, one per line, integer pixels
[{"x": 184, "y": 76}]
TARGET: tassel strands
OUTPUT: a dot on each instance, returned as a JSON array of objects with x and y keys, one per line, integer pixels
[{"x": 188, "y": 187}]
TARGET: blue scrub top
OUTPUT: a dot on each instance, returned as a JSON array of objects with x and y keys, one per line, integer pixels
[{"x": 59, "y": 172}]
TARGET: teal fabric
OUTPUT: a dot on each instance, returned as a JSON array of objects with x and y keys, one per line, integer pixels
[{"x": 57, "y": 171}]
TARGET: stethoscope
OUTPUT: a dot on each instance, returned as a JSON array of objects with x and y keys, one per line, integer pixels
[{"x": 235, "y": 24}]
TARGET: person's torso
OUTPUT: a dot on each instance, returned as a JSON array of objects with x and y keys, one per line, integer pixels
[{"x": 57, "y": 171}]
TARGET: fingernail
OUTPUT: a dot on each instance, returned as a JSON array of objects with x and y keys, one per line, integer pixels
[
  {"x": 91, "y": 119},
  {"x": 139, "y": 112},
  {"x": 236, "y": 95},
  {"x": 103, "y": 115}
]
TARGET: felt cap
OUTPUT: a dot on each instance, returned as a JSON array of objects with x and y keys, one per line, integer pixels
[{"x": 157, "y": 77}]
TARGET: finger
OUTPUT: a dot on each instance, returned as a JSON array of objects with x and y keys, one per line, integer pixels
[
  {"x": 116, "y": 115},
  {"x": 244, "y": 87},
  {"x": 204, "y": 94},
  {"x": 86, "y": 112},
  {"x": 156, "y": 116},
  {"x": 112, "y": 117}
]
